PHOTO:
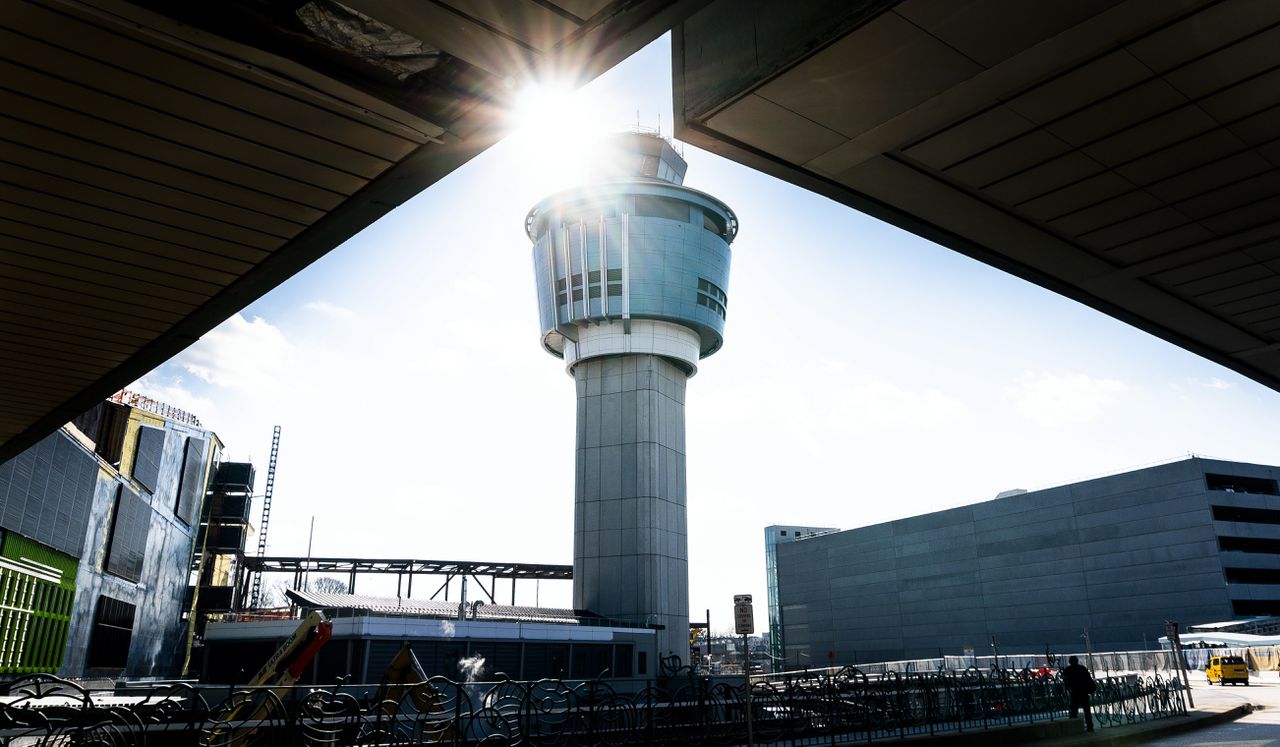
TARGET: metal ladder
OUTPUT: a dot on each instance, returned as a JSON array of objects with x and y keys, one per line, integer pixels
[{"x": 266, "y": 515}]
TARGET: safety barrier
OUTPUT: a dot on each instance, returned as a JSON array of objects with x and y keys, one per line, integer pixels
[{"x": 681, "y": 709}]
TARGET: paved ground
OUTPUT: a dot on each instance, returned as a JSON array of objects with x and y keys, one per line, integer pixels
[
  {"x": 1259, "y": 729},
  {"x": 1216, "y": 720}
]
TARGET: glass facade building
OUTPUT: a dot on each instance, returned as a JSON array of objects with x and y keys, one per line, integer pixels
[{"x": 773, "y": 536}]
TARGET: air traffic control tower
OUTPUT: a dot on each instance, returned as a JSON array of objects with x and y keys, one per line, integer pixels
[{"x": 631, "y": 271}]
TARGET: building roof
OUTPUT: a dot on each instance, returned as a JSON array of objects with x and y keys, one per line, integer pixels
[{"x": 169, "y": 163}]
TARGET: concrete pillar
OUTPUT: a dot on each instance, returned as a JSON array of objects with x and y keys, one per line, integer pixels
[{"x": 630, "y": 543}]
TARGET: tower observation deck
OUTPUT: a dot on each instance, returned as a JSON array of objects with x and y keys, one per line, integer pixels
[{"x": 632, "y": 274}]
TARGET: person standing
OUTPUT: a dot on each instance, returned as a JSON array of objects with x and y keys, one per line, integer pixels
[{"x": 1080, "y": 686}]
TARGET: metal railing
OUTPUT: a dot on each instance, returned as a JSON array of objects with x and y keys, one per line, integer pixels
[{"x": 831, "y": 709}]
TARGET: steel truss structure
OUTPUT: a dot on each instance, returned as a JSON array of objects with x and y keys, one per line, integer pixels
[{"x": 406, "y": 570}]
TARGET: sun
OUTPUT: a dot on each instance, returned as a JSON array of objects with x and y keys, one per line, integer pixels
[{"x": 553, "y": 130}]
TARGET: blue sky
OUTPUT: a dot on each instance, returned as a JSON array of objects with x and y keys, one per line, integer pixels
[{"x": 866, "y": 375}]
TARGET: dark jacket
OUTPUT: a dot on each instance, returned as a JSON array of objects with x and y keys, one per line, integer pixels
[{"x": 1079, "y": 682}]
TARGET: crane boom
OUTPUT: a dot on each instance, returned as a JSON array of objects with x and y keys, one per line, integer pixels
[{"x": 266, "y": 515}]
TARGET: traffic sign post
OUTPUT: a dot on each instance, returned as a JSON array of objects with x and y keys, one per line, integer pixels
[
  {"x": 744, "y": 624},
  {"x": 1175, "y": 644}
]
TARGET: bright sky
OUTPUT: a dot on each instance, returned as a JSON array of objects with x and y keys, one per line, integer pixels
[{"x": 866, "y": 375}]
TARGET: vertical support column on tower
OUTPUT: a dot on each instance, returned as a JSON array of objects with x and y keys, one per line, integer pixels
[{"x": 631, "y": 548}]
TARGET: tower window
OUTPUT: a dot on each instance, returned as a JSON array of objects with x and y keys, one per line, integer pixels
[
  {"x": 649, "y": 206},
  {"x": 714, "y": 223}
]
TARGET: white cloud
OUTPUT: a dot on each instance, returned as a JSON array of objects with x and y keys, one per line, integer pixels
[
  {"x": 329, "y": 309},
  {"x": 1063, "y": 399},
  {"x": 240, "y": 354},
  {"x": 1213, "y": 382},
  {"x": 882, "y": 404}
]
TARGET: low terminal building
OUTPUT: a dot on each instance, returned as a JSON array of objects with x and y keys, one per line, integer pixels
[
  {"x": 1193, "y": 540},
  {"x": 458, "y": 640}
]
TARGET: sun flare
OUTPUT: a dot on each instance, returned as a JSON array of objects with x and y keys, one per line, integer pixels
[{"x": 554, "y": 130}]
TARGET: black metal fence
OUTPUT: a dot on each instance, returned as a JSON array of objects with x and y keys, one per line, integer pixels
[{"x": 830, "y": 708}]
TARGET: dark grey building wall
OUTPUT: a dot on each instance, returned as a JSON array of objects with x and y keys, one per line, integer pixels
[
  {"x": 45, "y": 493},
  {"x": 155, "y": 580},
  {"x": 1117, "y": 555}
]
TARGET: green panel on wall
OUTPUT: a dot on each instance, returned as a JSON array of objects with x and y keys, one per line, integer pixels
[{"x": 37, "y": 589}]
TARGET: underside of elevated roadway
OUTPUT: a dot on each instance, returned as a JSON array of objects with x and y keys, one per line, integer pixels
[
  {"x": 1122, "y": 153},
  {"x": 164, "y": 164}
]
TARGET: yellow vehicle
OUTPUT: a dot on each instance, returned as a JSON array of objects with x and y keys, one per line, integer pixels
[{"x": 1224, "y": 669}]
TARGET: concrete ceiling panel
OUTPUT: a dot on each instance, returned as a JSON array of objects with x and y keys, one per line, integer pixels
[
  {"x": 1151, "y": 136},
  {"x": 970, "y": 136},
  {"x": 1241, "y": 60},
  {"x": 1225, "y": 198},
  {"x": 535, "y": 25},
  {"x": 1248, "y": 272},
  {"x": 1191, "y": 154},
  {"x": 780, "y": 131},
  {"x": 1013, "y": 157},
  {"x": 1078, "y": 88},
  {"x": 1043, "y": 179},
  {"x": 1260, "y": 129},
  {"x": 1243, "y": 217},
  {"x": 1118, "y": 112},
  {"x": 1261, "y": 287},
  {"x": 1106, "y": 213},
  {"x": 1210, "y": 27},
  {"x": 869, "y": 76},
  {"x": 1134, "y": 229},
  {"x": 1076, "y": 196},
  {"x": 583, "y": 9},
  {"x": 1245, "y": 98},
  {"x": 991, "y": 31},
  {"x": 1196, "y": 272},
  {"x": 1193, "y": 181}
]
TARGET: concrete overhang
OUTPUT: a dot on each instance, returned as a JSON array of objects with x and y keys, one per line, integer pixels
[
  {"x": 165, "y": 164},
  {"x": 1122, "y": 153}
]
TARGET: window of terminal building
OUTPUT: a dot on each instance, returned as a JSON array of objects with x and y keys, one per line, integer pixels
[
  {"x": 1268, "y": 576},
  {"x": 1246, "y": 515},
  {"x": 650, "y": 206},
  {"x": 111, "y": 634},
  {"x": 1238, "y": 484},
  {"x": 642, "y": 663},
  {"x": 1248, "y": 544},
  {"x": 1255, "y": 607}
]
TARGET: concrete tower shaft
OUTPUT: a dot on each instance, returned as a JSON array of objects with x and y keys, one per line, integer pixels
[{"x": 632, "y": 276}]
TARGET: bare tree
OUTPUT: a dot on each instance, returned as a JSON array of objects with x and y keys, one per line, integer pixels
[
  {"x": 328, "y": 585},
  {"x": 273, "y": 595}
]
